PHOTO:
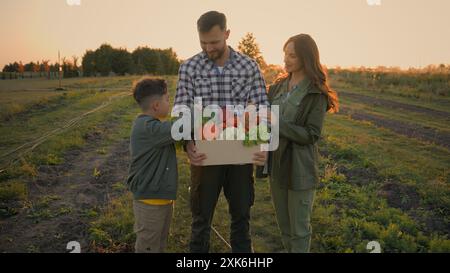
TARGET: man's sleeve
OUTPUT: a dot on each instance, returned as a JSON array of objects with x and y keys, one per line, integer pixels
[
  {"x": 258, "y": 92},
  {"x": 185, "y": 88}
]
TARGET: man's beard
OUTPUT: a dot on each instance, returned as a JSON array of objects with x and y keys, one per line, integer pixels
[{"x": 216, "y": 55}]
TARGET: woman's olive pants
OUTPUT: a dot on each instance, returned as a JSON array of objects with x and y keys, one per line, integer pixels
[{"x": 293, "y": 210}]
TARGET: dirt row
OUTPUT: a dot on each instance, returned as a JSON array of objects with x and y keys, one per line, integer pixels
[
  {"x": 369, "y": 100},
  {"x": 407, "y": 129},
  {"x": 62, "y": 197},
  {"x": 397, "y": 194}
]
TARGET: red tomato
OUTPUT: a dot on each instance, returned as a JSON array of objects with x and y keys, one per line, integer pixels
[
  {"x": 210, "y": 132},
  {"x": 247, "y": 120}
]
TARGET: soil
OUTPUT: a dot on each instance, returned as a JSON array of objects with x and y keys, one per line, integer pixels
[
  {"x": 395, "y": 105},
  {"x": 71, "y": 190},
  {"x": 397, "y": 194},
  {"x": 402, "y": 128}
]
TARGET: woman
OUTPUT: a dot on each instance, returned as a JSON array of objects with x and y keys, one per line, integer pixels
[{"x": 303, "y": 96}]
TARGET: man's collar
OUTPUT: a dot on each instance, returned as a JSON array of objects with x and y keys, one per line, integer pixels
[{"x": 210, "y": 64}]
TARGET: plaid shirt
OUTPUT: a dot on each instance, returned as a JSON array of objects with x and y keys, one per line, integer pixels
[{"x": 239, "y": 83}]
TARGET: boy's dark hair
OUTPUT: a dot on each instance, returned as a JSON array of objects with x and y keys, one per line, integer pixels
[
  {"x": 148, "y": 88},
  {"x": 210, "y": 19}
]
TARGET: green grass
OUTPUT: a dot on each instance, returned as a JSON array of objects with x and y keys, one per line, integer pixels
[
  {"x": 347, "y": 214},
  {"x": 16, "y": 102},
  {"x": 13, "y": 190},
  {"x": 45, "y": 120},
  {"x": 422, "y": 119},
  {"x": 407, "y": 161},
  {"x": 69, "y": 83},
  {"x": 420, "y": 84},
  {"x": 23, "y": 96},
  {"x": 113, "y": 231},
  {"x": 397, "y": 93},
  {"x": 389, "y": 153},
  {"x": 51, "y": 152},
  {"x": 345, "y": 219}
]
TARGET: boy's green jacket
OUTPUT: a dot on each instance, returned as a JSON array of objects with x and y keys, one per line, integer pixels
[
  {"x": 300, "y": 125},
  {"x": 153, "y": 169}
]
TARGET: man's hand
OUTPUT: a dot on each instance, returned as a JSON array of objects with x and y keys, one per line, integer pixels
[
  {"x": 260, "y": 158},
  {"x": 195, "y": 158}
]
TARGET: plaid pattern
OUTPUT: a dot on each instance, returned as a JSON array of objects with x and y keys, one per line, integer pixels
[{"x": 240, "y": 82}]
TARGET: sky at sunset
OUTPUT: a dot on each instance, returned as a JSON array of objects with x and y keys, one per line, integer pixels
[{"x": 348, "y": 32}]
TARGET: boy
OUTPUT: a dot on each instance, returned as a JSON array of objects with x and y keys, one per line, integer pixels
[{"x": 153, "y": 169}]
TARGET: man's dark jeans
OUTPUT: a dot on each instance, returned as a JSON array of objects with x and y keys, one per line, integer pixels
[{"x": 206, "y": 184}]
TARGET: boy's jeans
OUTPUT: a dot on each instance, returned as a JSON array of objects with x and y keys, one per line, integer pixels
[
  {"x": 152, "y": 224},
  {"x": 206, "y": 184}
]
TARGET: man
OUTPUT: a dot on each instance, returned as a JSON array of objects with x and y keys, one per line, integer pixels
[{"x": 220, "y": 76}]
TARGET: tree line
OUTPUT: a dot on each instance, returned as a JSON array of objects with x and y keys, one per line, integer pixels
[
  {"x": 143, "y": 60},
  {"x": 104, "y": 61},
  {"x": 44, "y": 68},
  {"x": 107, "y": 60}
]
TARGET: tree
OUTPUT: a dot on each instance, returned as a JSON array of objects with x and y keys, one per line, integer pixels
[
  {"x": 36, "y": 67},
  {"x": 142, "y": 60},
  {"x": 249, "y": 47},
  {"x": 29, "y": 67},
  {"x": 89, "y": 63},
  {"x": 20, "y": 68},
  {"x": 170, "y": 62},
  {"x": 75, "y": 62},
  {"x": 45, "y": 68},
  {"x": 147, "y": 60},
  {"x": 122, "y": 62},
  {"x": 12, "y": 67},
  {"x": 64, "y": 67},
  {"x": 70, "y": 67},
  {"x": 103, "y": 59},
  {"x": 272, "y": 72}
]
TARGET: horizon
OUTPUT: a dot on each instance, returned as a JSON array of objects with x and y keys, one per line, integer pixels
[{"x": 350, "y": 36}]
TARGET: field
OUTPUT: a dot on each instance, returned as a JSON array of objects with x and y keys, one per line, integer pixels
[{"x": 384, "y": 169}]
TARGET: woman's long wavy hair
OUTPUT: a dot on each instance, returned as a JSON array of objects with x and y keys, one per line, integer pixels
[{"x": 308, "y": 54}]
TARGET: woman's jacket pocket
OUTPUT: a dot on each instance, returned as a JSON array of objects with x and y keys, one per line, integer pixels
[{"x": 304, "y": 167}]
